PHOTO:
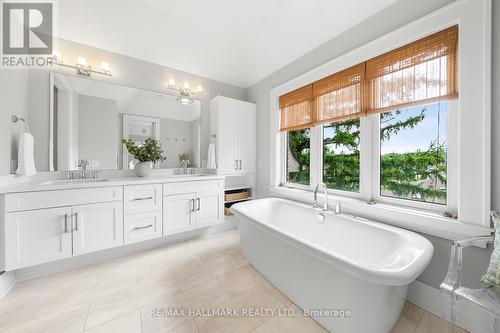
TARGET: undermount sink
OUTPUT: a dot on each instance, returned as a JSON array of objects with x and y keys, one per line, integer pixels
[{"x": 73, "y": 181}]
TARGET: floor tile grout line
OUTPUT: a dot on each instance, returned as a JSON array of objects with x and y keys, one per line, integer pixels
[
  {"x": 196, "y": 324},
  {"x": 87, "y": 316},
  {"x": 140, "y": 319}
]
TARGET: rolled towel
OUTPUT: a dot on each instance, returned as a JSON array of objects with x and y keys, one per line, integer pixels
[
  {"x": 25, "y": 158},
  {"x": 211, "y": 157}
]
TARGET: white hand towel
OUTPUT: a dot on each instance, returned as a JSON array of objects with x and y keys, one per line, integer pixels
[
  {"x": 25, "y": 159},
  {"x": 211, "y": 157}
]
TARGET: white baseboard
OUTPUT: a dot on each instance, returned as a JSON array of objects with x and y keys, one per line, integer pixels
[
  {"x": 469, "y": 317},
  {"x": 7, "y": 282}
]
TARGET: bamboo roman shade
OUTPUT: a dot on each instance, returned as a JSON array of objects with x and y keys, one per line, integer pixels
[
  {"x": 424, "y": 70},
  {"x": 421, "y": 72},
  {"x": 338, "y": 96},
  {"x": 296, "y": 109}
]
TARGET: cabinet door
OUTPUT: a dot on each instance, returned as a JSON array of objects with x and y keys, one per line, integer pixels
[
  {"x": 178, "y": 213},
  {"x": 37, "y": 236},
  {"x": 246, "y": 137},
  {"x": 227, "y": 147},
  {"x": 97, "y": 227},
  {"x": 209, "y": 209}
]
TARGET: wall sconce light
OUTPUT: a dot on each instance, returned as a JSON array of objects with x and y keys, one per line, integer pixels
[
  {"x": 184, "y": 92},
  {"x": 81, "y": 65}
]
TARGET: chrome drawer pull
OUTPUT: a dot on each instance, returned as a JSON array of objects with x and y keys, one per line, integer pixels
[
  {"x": 140, "y": 199},
  {"x": 199, "y": 204},
  {"x": 143, "y": 227}
]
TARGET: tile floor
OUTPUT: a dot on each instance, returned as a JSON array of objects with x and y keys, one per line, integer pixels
[{"x": 130, "y": 294}]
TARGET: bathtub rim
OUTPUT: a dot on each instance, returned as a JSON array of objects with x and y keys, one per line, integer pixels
[{"x": 400, "y": 277}]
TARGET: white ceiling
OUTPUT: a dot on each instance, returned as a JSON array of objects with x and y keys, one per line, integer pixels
[{"x": 234, "y": 41}]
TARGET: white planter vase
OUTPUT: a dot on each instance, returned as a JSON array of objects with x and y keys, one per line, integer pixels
[{"x": 142, "y": 169}]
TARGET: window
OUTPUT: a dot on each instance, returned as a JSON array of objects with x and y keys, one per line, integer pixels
[
  {"x": 377, "y": 129},
  {"x": 424, "y": 73},
  {"x": 413, "y": 153},
  {"x": 298, "y": 157},
  {"x": 341, "y": 155}
]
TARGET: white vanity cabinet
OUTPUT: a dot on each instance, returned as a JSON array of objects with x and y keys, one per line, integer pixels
[
  {"x": 233, "y": 122},
  {"x": 190, "y": 205},
  {"x": 37, "y": 236},
  {"x": 143, "y": 212},
  {"x": 208, "y": 207},
  {"x": 97, "y": 227},
  {"x": 83, "y": 225},
  {"x": 178, "y": 212},
  {"x": 39, "y": 226}
]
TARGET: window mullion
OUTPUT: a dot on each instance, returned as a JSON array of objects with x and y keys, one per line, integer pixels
[
  {"x": 316, "y": 155},
  {"x": 374, "y": 121},
  {"x": 365, "y": 163}
]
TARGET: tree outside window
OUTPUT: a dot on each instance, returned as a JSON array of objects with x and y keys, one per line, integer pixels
[{"x": 412, "y": 154}]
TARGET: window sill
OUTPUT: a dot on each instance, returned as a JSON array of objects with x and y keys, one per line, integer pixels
[{"x": 408, "y": 218}]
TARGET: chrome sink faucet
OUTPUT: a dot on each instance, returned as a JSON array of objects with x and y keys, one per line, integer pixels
[
  {"x": 83, "y": 164},
  {"x": 315, "y": 203}
]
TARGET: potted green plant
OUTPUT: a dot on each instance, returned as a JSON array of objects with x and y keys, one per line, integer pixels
[{"x": 146, "y": 153}]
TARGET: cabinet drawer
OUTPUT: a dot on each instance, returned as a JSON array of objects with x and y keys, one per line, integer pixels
[
  {"x": 205, "y": 186},
  {"x": 142, "y": 198},
  {"x": 48, "y": 199},
  {"x": 143, "y": 226}
]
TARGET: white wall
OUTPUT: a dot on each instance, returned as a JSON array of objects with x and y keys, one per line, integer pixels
[{"x": 13, "y": 100}]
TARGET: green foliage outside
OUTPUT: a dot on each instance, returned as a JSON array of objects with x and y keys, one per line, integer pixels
[
  {"x": 418, "y": 175},
  {"x": 299, "y": 143},
  {"x": 149, "y": 151}
]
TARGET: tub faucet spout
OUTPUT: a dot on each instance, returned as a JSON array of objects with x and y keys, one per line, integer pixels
[{"x": 315, "y": 203}]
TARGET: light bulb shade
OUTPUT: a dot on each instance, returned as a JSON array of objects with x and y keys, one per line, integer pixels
[
  {"x": 186, "y": 85},
  {"x": 104, "y": 67},
  {"x": 82, "y": 61},
  {"x": 56, "y": 55},
  {"x": 184, "y": 100},
  {"x": 199, "y": 89},
  {"x": 171, "y": 82}
]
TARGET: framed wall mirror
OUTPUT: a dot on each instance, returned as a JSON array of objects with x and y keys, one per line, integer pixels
[{"x": 88, "y": 120}]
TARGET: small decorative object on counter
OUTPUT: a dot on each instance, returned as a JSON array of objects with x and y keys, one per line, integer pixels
[
  {"x": 184, "y": 158},
  {"x": 146, "y": 153}
]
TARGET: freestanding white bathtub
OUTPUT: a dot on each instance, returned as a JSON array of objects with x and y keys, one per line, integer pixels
[{"x": 350, "y": 274}]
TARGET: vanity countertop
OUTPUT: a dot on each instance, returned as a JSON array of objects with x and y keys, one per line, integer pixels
[{"x": 58, "y": 184}]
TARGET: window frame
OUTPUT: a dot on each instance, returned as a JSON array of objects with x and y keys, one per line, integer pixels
[
  {"x": 451, "y": 160},
  {"x": 369, "y": 166},
  {"x": 471, "y": 193},
  {"x": 284, "y": 165}
]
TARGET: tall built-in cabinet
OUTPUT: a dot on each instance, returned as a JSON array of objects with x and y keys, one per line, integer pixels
[{"x": 233, "y": 125}]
